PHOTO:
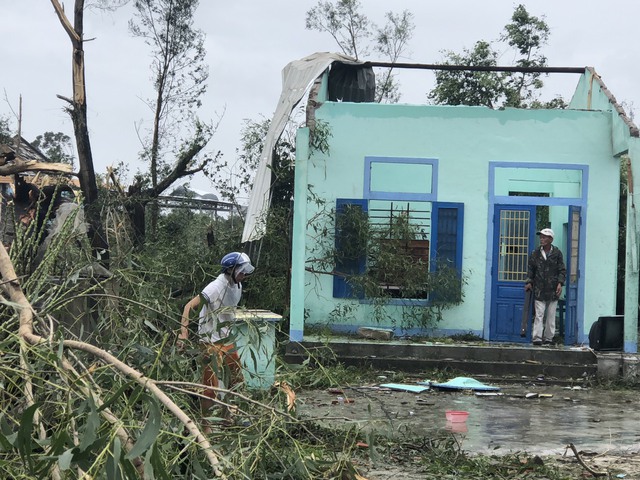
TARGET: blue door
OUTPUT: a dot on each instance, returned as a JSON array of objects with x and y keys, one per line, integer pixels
[
  {"x": 573, "y": 277},
  {"x": 514, "y": 237}
]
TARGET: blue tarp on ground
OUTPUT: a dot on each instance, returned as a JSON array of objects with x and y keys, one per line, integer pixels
[
  {"x": 461, "y": 383},
  {"x": 405, "y": 388}
]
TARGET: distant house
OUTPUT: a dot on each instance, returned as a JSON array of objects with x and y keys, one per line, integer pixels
[
  {"x": 476, "y": 183},
  {"x": 22, "y": 168}
]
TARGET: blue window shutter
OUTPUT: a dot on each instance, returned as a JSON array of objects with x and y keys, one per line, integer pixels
[
  {"x": 352, "y": 266},
  {"x": 446, "y": 235}
]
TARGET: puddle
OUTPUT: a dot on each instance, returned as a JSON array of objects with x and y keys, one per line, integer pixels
[{"x": 595, "y": 420}]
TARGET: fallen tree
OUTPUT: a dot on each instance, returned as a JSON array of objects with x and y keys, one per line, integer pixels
[
  {"x": 11, "y": 288},
  {"x": 116, "y": 397}
]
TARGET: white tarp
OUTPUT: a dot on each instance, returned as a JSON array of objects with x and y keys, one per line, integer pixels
[{"x": 297, "y": 78}]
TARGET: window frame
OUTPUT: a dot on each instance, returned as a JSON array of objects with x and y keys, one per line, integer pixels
[{"x": 400, "y": 196}]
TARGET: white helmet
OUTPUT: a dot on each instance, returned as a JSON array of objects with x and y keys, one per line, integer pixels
[{"x": 240, "y": 261}]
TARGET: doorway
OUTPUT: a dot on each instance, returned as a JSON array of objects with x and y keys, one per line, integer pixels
[{"x": 514, "y": 237}]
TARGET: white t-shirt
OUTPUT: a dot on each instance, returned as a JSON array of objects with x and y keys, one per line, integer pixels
[{"x": 221, "y": 297}]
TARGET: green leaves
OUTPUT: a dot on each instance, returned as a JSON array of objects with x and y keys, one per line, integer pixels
[
  {"x": 345, "y": 22},
  {"x": 56, "y": 146},
  {"x": 64, "y": 460},
  {"x": 7, "y": 437},
  {"x": 527, "y": 35},
  {"x": 23, "y": 440},
  {"x": 91, "y": 427},
  {"x": 112, "y": 467},
  {"x": 467, "y": 87},
  {"x": 150, "y": 431}
]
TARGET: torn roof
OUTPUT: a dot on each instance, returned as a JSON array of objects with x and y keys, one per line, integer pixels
[
  {"x": 21, "y": 157},
  {"x": 24, "y": 150},
  {"x": 297, "y": 78}
]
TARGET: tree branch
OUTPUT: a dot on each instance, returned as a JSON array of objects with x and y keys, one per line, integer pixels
[
  {"x": 122, "y": 434},
  {"x": 19, "y": 165},
  {"x": 593, "y": 472},
  {"x": 151, "y": 386},
  {"x": 66, "y": 99},
  {"x": 25, "y": 331},
  {"x": 73, "y": 35},
  {"x": 179, "y": 169}
]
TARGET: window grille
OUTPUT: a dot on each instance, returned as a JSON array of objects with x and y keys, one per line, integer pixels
[{"x": 513, "y": 245}]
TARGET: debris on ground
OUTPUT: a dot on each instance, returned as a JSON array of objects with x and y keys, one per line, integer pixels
[
  {"x": 405, "y": 388},
  {"x": 375, "y": 333},
  {"x": 462, "y": 383}
]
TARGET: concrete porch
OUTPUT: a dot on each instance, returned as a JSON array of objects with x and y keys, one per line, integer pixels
[{"x": 492, "y": 361}]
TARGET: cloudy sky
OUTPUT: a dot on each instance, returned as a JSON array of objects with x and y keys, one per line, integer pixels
[{"x": 250, "y": 41}]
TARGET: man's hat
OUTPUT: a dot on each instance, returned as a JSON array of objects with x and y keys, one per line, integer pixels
[{"x": 546, "y": 231}]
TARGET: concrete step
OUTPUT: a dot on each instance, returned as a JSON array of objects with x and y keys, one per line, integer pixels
[
  {"x": 494, "y": 370},
  {"x": 489, "y": 361}
]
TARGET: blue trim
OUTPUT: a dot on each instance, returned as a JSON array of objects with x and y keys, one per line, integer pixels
[
  {"x": 550, "y": 201},
  {"x": 583, "y": 332},
  {"x": 341, "y": 287},
  {"x": 630, "y": 347},
  {"x": 514, "y": 335},
  {"x": 435, "y": 221},
  {"x": 296, "y": 335},
  {"x": 571, "y": 289},
  {"x": 424, "y": 197}
]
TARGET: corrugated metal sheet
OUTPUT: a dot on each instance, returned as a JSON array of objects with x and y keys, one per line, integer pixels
[{"x": 297, "y": 77}]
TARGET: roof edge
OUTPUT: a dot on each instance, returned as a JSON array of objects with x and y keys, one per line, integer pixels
[{"x": 633, "y": 129}]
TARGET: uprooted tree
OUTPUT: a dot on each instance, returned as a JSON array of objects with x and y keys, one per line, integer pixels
[{"x": 112, "y": 397}]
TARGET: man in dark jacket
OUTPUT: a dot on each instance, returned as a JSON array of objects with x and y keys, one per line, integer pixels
[{"x": 546, "y": 276}]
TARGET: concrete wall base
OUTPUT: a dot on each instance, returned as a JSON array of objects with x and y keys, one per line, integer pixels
[
  {"x": 631, "y": 368},
  {"x": 619, "y": 366},
  {"x": 609, "y": 365}
]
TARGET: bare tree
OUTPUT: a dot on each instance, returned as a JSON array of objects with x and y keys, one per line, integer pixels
[
  {"x": 344, "y": 22},
  {"x": 391, "y": 41},
  {"x": 356, "y": 36},
  {"x": 77, "y": 109},
  {"x": 178, "y": 74}
]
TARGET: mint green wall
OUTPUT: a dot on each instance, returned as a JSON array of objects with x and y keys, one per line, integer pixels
[
  {"x": 556, "y": 183},
  {"x": 589, "y": 95},
  {"x": 463, "y": 140},
  {"x": 298, "y": 244}
]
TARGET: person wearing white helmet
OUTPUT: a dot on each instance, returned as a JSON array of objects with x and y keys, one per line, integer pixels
[
  {"x": 219, "y": 299},
  {"x": 546, "y": 276}
]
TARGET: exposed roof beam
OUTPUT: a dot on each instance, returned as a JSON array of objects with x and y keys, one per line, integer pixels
[{"x": 476, "y": 68}]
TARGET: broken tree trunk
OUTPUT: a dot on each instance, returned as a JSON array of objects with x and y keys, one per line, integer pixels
[{"x": 78, "y": 112}]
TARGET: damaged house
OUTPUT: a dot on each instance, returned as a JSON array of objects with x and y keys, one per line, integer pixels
[{"x": 459, "y": 192}]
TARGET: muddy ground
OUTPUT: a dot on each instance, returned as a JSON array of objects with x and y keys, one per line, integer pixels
[{"x": 603, "y": 425}]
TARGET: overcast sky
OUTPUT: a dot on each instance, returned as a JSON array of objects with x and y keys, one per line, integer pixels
[{"x": 248, "y": 44}]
